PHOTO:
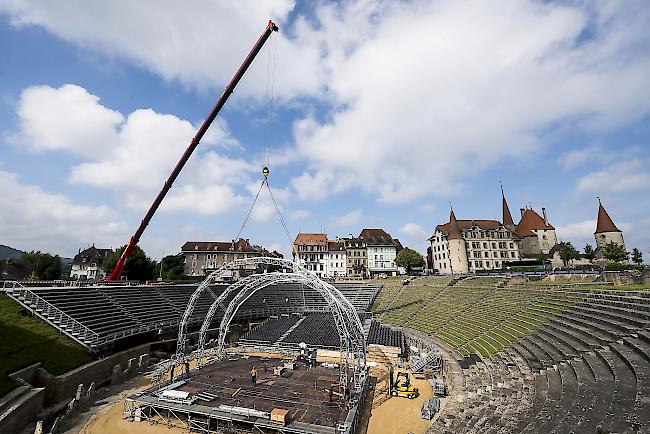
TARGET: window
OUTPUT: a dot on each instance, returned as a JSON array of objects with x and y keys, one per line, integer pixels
[
  {"x": 512, "y": 246},
  {"x": 485, "y": 245}
]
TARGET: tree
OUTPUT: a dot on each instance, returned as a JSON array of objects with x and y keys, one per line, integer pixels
[
  {"x": 173, "y": 267},
  {"x": 637, "y": 256},
  {"x": 41, "y": 266},
  {"x": 409, "y": 259},
  {"x": 568, "y": 252},
  {"x": 138, "y": 266},
  {"x": 615, "y": 252},
  {"x": 589, "y": 252}
]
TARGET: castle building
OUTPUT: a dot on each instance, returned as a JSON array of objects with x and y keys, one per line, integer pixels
[
  {"x": 463, "y": 246},
  {"x": 466, "y": 246},
  {"x": 537, "y": 236},
  {"x": 606, "y": 231}
]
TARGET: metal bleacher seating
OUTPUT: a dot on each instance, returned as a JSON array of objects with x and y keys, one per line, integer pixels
[
  {"x": 97, "y": 316},
  {"x": 318, "y": 330}
]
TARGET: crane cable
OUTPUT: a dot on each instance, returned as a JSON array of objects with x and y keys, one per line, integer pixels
[{"x": 270, "y": 96}]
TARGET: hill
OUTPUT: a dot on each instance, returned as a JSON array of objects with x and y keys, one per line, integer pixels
[
  {"x": 7, "y": 252},
  {"x": 26, "y": 340}
]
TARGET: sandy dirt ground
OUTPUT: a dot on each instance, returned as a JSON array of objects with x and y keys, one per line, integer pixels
[
  {"x": 387, "y": 415},
  {"x": 396, "y": 415}
]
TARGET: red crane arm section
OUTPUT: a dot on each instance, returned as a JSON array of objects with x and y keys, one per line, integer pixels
[{"x": 119, "y": 267}]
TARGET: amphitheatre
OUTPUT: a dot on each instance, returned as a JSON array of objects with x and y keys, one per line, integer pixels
[{"x": 516, "y": 353}]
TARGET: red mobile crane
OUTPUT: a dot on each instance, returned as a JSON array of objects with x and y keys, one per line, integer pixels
[{"x": 119, "y": 267}]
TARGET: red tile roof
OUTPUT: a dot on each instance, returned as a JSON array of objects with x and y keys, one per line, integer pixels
[
  {"x": 507, "y": 217},
  {"x": 312, "y": 239},
  {"x": 605, "y": 223},
  {"x": 531, "y": 221},
  {"x": 485, "y": 225}
]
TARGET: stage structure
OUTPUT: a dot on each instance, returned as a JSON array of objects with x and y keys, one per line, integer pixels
[{"x": 267, "y": 272}]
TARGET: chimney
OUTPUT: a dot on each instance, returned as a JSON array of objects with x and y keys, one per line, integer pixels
[
  {"x": 545, "y": 217},
  {"x": 523, "y": 210}
]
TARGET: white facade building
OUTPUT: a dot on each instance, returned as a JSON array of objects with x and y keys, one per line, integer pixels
[
  {"x": 463, "y": 246},
  {"x": 382, "y": 251},
  {"x": 87, "y": 265},
  {"x": 337, "y": 259},
  {"x": 311, "y": 251}
]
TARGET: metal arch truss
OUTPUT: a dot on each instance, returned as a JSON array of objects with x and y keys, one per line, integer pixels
[{"x": 346, "y": 318}]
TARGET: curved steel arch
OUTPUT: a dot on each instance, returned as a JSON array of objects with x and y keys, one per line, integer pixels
[
  {"x": 219, "y": 273},
  {"x": 345, "y": 315},
  {"x": 348, "y": 326}
]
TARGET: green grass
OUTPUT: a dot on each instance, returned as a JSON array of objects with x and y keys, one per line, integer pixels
[
  {"x": 26, "y": 340},
  {"x": 591, "y": 285}
]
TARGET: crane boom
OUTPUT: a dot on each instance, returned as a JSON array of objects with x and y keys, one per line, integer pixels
[{"x": 119, "y": 267}]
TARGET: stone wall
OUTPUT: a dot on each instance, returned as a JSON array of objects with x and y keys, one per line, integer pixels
[{"x": 19, "y": 407}]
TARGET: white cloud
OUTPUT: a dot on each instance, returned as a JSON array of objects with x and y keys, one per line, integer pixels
[
  {"x": 132, "y": 155},
  {"x": 421, "y": 94},
  {"x": 631, "y": 175},
  {"x": 33, "y": 218},
  {"x": 348, "y": 220},
  {"x": 300, "y": 214},
  {"x": 213, "y": 199},
  {"x": 67, "y": 118},
  {"x": 579, "y": 231},
  {"x": 577, "y": 157},
  {"x": 414, "y": 230},
  {"x": 461, "y": 86},
  {"x": 200, "y": 44}
]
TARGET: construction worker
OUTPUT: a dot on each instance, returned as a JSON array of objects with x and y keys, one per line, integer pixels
[{"x": 254, "y": 376}]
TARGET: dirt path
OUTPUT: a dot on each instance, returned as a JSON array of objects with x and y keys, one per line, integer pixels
[{"x": 396, "y": 415}]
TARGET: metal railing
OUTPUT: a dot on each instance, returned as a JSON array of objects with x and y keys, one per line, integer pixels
[{"x": 54, "y": 316}]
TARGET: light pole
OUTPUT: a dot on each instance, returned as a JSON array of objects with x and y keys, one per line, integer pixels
[{"x": 162, "y": 259}]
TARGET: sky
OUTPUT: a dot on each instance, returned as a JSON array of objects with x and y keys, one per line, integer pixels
[{"x": 368, "y": 114}]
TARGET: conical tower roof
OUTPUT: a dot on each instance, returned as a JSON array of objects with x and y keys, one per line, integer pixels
[
  {"x": 454, "y": 229},
  {"x": 507, "y": 217},
  {"x": 605, "y": 223}
]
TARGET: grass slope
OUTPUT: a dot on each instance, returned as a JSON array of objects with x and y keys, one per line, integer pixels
[{"x": 26, "y": 340}]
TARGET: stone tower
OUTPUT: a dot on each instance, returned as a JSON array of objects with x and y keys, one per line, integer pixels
[
  {"x": 457, "y": 250},
  {"x": 606, "y": 230}
]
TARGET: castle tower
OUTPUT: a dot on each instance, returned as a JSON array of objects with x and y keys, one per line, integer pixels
[
  {"x": 457, "y": 251},
  {"x": 507, "y": 217},
  {"x": 606, "y": 230}
]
